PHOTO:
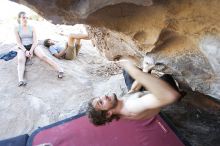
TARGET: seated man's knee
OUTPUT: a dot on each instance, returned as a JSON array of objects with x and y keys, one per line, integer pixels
[
  {"x": 77, "y": 41},
  {"x": 70, "y": 41}
]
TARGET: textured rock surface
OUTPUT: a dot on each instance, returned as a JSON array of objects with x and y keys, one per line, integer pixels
[
  {"x": 178, "y": 30},
  {"x": 107, "y": 42},
  {"x": 176, "y": 33},
  {"x": 196, "y": 118},
  {"x": 47, "y": 99},
  {"x": 72, "y": 11},
  {"x": 183, "y": 34}
]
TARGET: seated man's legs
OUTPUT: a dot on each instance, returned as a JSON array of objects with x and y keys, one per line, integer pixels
[
  {"x": 77, "y": 46},
  {"x": 73, "y": 48}
]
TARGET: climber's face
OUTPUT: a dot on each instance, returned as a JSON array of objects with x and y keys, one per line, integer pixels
[{"x": 105, "y": 102}]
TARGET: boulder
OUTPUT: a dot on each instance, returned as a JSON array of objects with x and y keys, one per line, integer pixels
[{"x": 183, "y": 35}]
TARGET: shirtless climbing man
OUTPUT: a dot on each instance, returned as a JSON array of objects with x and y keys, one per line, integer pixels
[{"x": 134, "y": 105}]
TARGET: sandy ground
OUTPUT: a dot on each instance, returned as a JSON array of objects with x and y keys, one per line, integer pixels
[{"x": 47, "y": 99}]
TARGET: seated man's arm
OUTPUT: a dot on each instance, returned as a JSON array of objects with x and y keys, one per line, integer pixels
[
  {"x": 60, "y": 54},
  {"x": 162, "y": 93},
  {"x": 57, "y": 54}
]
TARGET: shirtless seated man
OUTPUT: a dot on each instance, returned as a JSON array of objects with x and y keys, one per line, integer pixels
[
  {"x": 134, "y": 105},
  {"x": 67, "y": 50}
]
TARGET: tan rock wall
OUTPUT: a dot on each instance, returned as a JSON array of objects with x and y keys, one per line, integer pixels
[
  {"x": 173, "y": 29},
  {"x": 183, "y": 34},
  {"x": 175, "y": 32}
]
